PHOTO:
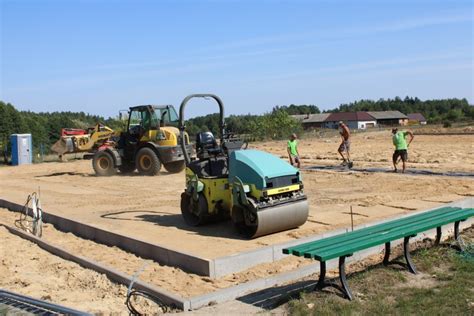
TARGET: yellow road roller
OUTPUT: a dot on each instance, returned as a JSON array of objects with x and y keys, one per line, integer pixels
[{"x": 261, "y": 193}]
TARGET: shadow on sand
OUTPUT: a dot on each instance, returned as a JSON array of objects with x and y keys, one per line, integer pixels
[{"x": 223, "y": 229}]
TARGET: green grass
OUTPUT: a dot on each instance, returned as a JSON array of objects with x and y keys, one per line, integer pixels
[{"x": 444, "y": 286}]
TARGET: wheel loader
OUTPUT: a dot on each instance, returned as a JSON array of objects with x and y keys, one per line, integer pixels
[
  {"x": 261, "y": 193},
  {"x": 75, "y": 140},
  {"x": 149, "y": 140}
]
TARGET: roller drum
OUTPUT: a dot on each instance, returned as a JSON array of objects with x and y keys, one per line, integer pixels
[{"x": 281, "y": 217}]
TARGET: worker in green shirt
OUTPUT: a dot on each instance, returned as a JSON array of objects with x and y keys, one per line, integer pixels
[
  {"x": 401, "y": 146},
  {"x": 292, "y": 149}
]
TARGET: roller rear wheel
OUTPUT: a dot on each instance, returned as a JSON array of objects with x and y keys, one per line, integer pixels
[
  {"x": 175, "y": 166},
  {"x": 195, "y": 213}
]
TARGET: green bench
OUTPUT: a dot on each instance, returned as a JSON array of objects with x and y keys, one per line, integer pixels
[{"x": 344, "y": 245}]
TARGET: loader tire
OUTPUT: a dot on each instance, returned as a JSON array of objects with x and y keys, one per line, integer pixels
[
  {"x": 147, "y": 162},
  {"x": 103, "y": 164},
  {"x": 175, "y": 166}
]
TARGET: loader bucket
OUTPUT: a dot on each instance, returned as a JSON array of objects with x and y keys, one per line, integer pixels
[{"x": 62, "y": 146}]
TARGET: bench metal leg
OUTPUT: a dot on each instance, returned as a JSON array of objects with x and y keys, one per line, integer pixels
[
  {"x": 406, "y": 252},
  {"x": 342, "y": 277},
  {"x": 322, "y": 275},
  {"x": 457, "y": 238},
  {"x": 438, "y": 236},
  {"x": 386, "y": 258},
  {"x": 344, "y": 288},
  {"x": 458, "y": 242},
  {"x": 456, "y": 230}
]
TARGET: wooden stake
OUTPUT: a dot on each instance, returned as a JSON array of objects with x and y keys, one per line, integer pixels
[{"x": 352, "y": 220}]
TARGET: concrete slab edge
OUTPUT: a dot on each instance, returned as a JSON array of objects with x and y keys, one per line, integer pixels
[
  {"x": 111, "y": 273},
  {"x": 219, "y": 267},
  {"x": 161, "y": 254}
]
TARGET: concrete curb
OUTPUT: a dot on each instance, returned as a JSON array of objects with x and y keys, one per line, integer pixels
[
  {"x": 111, "y": 273},
  {"x": 213, "y": 268},
  {"x": 158, "y": 253}
]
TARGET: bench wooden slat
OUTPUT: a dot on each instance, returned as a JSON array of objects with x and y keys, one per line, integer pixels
[
  {"x": 301, "y": 249},
  {"x": 344, "y": 250}
]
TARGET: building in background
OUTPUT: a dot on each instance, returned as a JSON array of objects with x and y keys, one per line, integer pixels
[
  {"x": 312, "y": 121},
  {"x": 416, "y": 118},
  {"x": 389, "y": 118},
  {"x": 354, "y": 120}
]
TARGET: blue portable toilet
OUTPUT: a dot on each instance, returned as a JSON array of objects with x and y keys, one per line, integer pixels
[{"x": 22, "y": 149}]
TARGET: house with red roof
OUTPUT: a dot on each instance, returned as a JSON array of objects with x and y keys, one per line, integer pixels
[{"x": 354, "y": 120}]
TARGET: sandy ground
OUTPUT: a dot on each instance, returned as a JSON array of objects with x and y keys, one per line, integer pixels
[
  {"x": 172, "y": 279},
  {"x": 27, "y": 269},
  {"x": 375, "y": 149},
  {"x": 148, "y": 207}
]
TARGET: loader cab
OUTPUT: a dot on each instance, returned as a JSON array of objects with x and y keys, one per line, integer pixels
[{"x": 143, "y": 118}]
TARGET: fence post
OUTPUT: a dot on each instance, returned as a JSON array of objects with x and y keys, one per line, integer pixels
[{"x": 42, "y": 152}]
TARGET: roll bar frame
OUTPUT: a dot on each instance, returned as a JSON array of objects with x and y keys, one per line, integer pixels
[{"x": 182, "y": 126}]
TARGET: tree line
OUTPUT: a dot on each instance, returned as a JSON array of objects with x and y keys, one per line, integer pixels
[
  {"x": 45, "y": 127},
  {"x": 435, "y": 111}
]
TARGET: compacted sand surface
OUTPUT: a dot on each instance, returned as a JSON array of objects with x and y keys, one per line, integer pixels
[{"x": 147, "y": 208}]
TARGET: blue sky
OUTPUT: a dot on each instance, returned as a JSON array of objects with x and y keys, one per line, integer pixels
[{"x": 102, "y": 56}]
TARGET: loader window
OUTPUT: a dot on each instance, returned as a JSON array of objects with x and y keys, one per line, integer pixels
[
  {"x": 141, "y": 120},
  {"x": 135, "y": 119},
  {"x": 168, "y": 115}
]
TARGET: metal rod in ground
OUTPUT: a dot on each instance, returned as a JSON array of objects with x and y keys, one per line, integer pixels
[{"x": 352, "y": 219}]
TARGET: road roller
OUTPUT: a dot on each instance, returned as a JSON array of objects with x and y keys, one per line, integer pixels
[{"x": 258, "y": 191}]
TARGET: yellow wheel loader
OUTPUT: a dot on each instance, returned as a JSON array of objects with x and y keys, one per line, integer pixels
[
  {"x": 261, "y": 193},
  {"x": 82, "y": 140},
  {"x": 149, "y": 141}
]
